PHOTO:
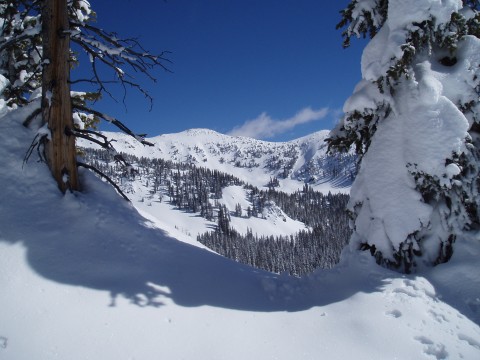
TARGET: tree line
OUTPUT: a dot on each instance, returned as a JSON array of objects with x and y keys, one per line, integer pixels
[{"x": 198, "y": 189}]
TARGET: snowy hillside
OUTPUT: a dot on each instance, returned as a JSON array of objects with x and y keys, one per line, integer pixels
[
  {"x": 84, "y": 276},
  {"x": 175, "y": 175},
  {"x": 268, "y": 229},
  {"x": 294, "y": 163}
]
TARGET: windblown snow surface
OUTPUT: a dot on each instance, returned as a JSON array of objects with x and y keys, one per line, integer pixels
[{"x": 85, "y": 276}]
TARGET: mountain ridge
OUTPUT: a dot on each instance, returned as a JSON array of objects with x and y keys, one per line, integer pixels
[{"x": 293, "y": 163}]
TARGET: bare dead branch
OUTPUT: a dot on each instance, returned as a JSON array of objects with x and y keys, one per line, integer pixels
[
  {"x": 37, "y": 143},
  {"x": 106, "y": 177},
  {"x": 84, "y": 134},
  {"x": 115, "y": 53},
  {"x": 32, "y": 116},
  {"x": 117, "y": 123}
]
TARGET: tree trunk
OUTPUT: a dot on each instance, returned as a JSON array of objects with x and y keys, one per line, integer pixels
[{"x": 56, "y": 102}]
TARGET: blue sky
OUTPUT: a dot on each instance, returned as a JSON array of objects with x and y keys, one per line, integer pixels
[{"x": 270, "y": 69}]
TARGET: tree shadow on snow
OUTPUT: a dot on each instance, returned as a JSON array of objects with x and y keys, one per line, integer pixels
[{"x": 96, "y": 240}]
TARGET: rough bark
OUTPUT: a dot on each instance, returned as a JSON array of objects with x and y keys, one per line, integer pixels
[{"x": 56, "y": 102}]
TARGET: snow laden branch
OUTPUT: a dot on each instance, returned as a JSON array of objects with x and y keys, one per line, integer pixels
[
  {"x": 113, "y": 121},
  {"x": 362, "y": 18}
]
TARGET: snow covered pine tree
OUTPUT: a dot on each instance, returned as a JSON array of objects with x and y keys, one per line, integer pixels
[
  {"x": 20, "y": 55},
  {"x": 414, "y": 119}
]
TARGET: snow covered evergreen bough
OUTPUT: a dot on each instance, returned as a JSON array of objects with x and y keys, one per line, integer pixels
[{"x": 414, "y": 121}]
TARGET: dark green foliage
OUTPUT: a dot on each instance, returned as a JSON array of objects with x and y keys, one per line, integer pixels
[
  {"x": 298, "y": 254},
  {"x": 20, "y": 49},
  {"x": 358, "y": 130},
  {"x": 238, "y": 210},
  {"x": 224, "y": 221},
  {"x": 367, "y": 24}
]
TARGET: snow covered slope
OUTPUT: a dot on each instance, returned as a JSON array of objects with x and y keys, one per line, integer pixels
[
  {"x": 187, "y": 225},
  {"x": 294, "y": 163},
  {"x": 84, "y": 276}
]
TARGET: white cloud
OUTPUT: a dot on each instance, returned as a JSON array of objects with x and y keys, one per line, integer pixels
[{"x": 264, "y": 127}]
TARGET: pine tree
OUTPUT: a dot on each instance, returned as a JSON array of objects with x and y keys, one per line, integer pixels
[
  {"x": 414, "y": 120},
  {"x": 20, "y": 54},
  {"x": 238, "y": 210},
  {"x": 223, "y": 220}
]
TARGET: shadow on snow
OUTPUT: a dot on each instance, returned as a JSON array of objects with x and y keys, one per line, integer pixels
[{"x": 95, "y": 240}]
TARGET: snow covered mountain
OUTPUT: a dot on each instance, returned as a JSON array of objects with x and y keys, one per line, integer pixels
[{"x": 256, "y": 162}]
